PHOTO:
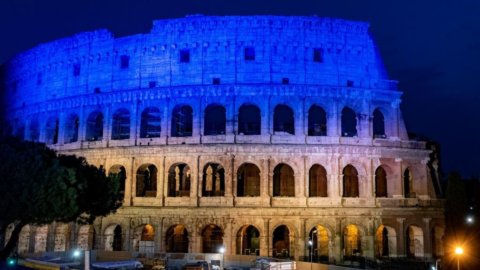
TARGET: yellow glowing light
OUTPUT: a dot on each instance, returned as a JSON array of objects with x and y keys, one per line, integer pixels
[{"x": 459, "y": 250}]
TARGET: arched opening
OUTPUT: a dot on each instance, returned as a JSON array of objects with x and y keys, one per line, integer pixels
[
  {"x": 177, "y": 239},
  {"x": 119, "y": 172},
  {"x": 282, "y": 241},
  {"x": 437, "y": 241},
  {"x": 23, "y": 245},
  {"x": 249, "y": 120},
  {"x": 248, "y": 241},
  {"x": 41, "y": 235},
  {"x": 212, "y": 239},
  {"x": 213, "y": 180},
  {"x": 215, "y": 120},
  {"x": 414, "y": 242},
  {"x": 143, "y": 239},
  {"x": 179, "y": 179},
  {"x": 150, "y": 123},
  {"x": 248, "y": 180},
  {"x": 113, "y": 238},
  {"x": 94, "y": 126},
  {"x": 182, "y": 121},
  {"x": 34, "y": 131},
  {"x": 147, "y": 181},
  {"x": 121, "y": 124},
  {"x": 86, "y": 237},
  {"x": 385, "y": 242},
  {"x": 378, "y": 124},
  {"x": 349, "y": 123},
  {"x": 352, "y": 241},
  {"x": 51, "y": 131},
  {"x": 350, "y": 182},
  {"x": 408, "y": 184},
  {"x": 283, "y": 120},
  {"x": 317, "y": 121},
  {"x": 72, "y": 124},
  {"x": 380, "y": 182},
  {"x": 317, "y": 181},
  {"x": 319, "y": 246},
  {"x": 283, "y": 181}
]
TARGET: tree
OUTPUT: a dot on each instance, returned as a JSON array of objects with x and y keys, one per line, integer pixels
[{"x": 38, "y": 187}]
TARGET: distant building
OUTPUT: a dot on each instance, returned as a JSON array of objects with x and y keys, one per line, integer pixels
[{"x": 254, "y": 133}]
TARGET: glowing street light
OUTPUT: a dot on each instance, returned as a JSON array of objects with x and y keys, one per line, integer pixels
[
  {"x": 458, "y": 252},
  {"x": 469, "y": 219},
  {"x": 76, "y": 253},
  {"x": 222, "y": 250}
]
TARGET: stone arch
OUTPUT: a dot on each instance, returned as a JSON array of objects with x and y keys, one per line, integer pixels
[
  {"x": 34, "y": 130},
  {"x": 120, "y": 173},
  {"x": 378, "y": 124},
  {"x": 350, "y": 182},
  {"x": 381, "y": 182},
  {"x": 94, "y": 127},
  {"x": 249, "y": 120},
  {"x": 317, "y": 121},
  {"x": 283, "y": 181},
  {"x": 248, "y": 180},
  {"x": 283, "y": 120},
  {"x": 414, "y": 241},
  {"x": 408, "y": 190},
  {"x": 248, "y": 240},
  {"x": 72, "y": 124},
  {"x": 319, "y": 247},
  {"x": 317, "y": 181},
  {"x": 349, "y": 122},
  {"x": 176, "y": 239},
  {"x": 86, "y": 237},
  {"x": 146, "y": 181},
  {"x": 179, "y": 180},
  {"x": 144, "y": 239},
  {"x": 352, "y": 244},
  {"x": 213, "y": 183},
  {"x": 150, "y": 123},
  {"x": 121, "y": 124},
  {"x": 51, "y": 130},
  {"x": 23, "y": 245},
  {"x": 283, "y": 243},
  {"x": 385, "y": 242},
  {"x": 182, "y": 121},
  {"x": 62, "y": 237},
  {"x": 212, "y": 239},
  {"x": 41, "y": 238},
  {"x": 113, "y": 237},
  {"x": 215, "y": 120},
  {"x": 8, "y": 233}
]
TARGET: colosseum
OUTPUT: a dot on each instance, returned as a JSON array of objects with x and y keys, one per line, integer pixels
[{"x": 264, "y": 135}]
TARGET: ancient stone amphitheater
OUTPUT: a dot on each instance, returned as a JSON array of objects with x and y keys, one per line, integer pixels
[{"x": 266, "y": 135}]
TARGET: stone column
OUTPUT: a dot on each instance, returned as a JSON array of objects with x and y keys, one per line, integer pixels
[
  {"x": 61, "y": 128},
  {"x": 338, "y": 247},
  {"x": 333, "y": 121},
  {"x": 401, "y": 238},
  {"x": 134, "y": 123},
  {"x": 159, "y": 232},
  {"x": 107, "y": 123},
  {"x": 427, "y": 238},
  {"x": 265, "y": 245}
]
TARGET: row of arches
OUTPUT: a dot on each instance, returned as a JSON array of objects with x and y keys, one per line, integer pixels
[
  {"x": 249, "y": 181},
  {"x": 215, "y": 121},
  {"x": 247, "y": 240}
]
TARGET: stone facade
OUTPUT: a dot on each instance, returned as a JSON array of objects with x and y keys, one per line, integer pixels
[{"x": 258, "y": 134}]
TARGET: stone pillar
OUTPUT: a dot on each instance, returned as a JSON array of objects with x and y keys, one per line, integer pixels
[
  {"x": 363, "y": 125},
  {"x": 52, "y": 228},
  {"x": 127, "y": 234},
  {"x": 333, "y": 121},
  {"x": 338, "y": 246},
  {"x": 427, "y": 238},
  {"x": 134, "y": 123},
  {"x": 61, "y": 128},
  {"x": 265, "y": 244},
  {"x": 159, "y": 232},
  {"x": 401, "y": 238},
  {"x": 369, "y": 241},
  {"x": 107, "y": 123}
]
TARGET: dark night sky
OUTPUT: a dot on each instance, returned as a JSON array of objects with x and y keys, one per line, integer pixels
[{"x": 431, "y": 46}]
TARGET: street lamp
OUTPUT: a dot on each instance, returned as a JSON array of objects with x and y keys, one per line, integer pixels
[
  {"x": 222, "y": 250},
  {"x": 310, "y": 243},
  {"x": 458, "y": 252},
  {"x": 469, "y": 219}
]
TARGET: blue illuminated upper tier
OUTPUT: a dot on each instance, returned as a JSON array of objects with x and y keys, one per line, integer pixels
[{"x": 201, "y": 50}]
